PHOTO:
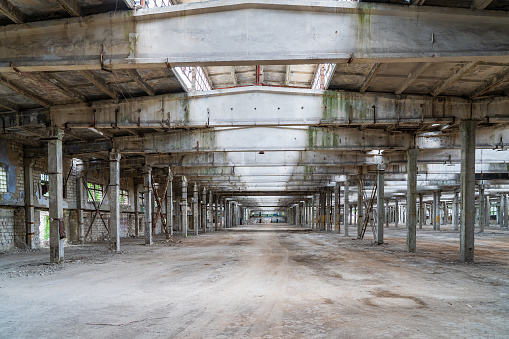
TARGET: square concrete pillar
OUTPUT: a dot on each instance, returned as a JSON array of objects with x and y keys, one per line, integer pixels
[
  {"x": 216, "y": 213},
  {"x": 136, "y": 210},
  {"x": 28, "y": 168},
  {"x": 411, "y": 200},
  {"x": 114, "y": 190},
  {"x": 380, "y": 206},
  {"x": 360, "y": 205},
  {"x": 183, "y": 208},
  {"x": 56, "y": 196},
  {"x": 456, "y": 211},
  {"x": 482, "y": 210},
  {"x": 169, "y": 207},
  {"x": 337, "y": 216},
  {"x": 147, "y": 198},
  {"x": 467, "y": 128},
  {"x": 346, "y": 216},
  {"x": 80, "y": 202}
]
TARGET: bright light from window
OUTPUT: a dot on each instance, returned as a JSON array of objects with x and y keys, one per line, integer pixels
[
  {"x": 185, "y": 74},
  {"x": 323, "y": 76}
]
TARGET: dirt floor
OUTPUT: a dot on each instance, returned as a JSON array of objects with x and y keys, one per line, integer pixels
[{"x": 268, "y": 281}]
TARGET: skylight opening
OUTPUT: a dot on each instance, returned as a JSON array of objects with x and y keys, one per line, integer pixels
[
  {"x": 192, "y": 78},
  {"x": 323, "y": 76}
]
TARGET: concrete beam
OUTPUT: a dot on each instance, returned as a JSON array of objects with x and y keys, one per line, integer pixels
[
  {"x": 491, "y": 83},
  {"x": 100, "y": 83},
  {"x": 456, "y": 76},
  {"x": 258, "y": 139},
  {"x": 71, "y": 6},
  {"x": 140, "y": 81},
  {"x": 12, "y": 12},
  {"x": 481, "y": 4},
  {"x": 412, "y": 77},
  {"x": 262, "y": 106},
  {"x": 317, "y": 32},
  {"x": 370, "y": 77},
  {"x": 32, "y": 96}
]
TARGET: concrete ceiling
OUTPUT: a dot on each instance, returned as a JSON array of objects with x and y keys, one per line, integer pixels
[{"x": 30, "y": 94}]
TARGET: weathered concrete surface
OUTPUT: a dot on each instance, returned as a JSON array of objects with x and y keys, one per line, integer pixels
[
  {"x": 265, "y": 106},
  {"x": 256, "y": 284},
  {"x": 328, "y": 31}
]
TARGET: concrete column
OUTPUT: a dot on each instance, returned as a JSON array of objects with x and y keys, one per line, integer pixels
[
  {"x": 500, "y": 211},
  {"x": 482, "y": 210},
  {"x": 297, "y": 214},
  {"x": 169, "y": 208},
  {"x": 455, "y": 210},
  {"x": 506, "y": 210},
  {"x": 56, "y": 196},
  {"x": 312, "y": 212},
  {"x": 226, "y": 214},
  {"x": 147, "y": 198},
  {"x": 28, "y": 169},
  {"x": 436, "y": 208},
  {"x": 422, "y": 214},
  {"x": 136, "y": 210},
  {"x": 337, "y": 216},
  {"x": 183, "y": 208},
  {"x": 196, "y": 222},
  {"x": 380, "y": 206},
  {"x": 360, "y": 197},
  {"x": 446, "y": 214},
  {"x": 487, "y": 209},
  {"x": 467, "y": 128},
  {"x": 348, "y": 209},
  {"x": 396, "y": 213},
  {"x": 80, "y": 199},
  {"x": 114, "y": 188},
  {"x": 204, "y": 209},
  {"x": 216, "y": 212},
  {"x": 210, "y": 210},
  {"x": 411, "y": 200}
]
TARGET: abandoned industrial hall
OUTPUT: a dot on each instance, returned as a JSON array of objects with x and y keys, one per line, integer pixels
[{"x": 254, "y": 168}]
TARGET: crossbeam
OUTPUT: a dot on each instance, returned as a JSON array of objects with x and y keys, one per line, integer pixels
[
  {"x": 263, "y": 106},
  {"x": 266, "y": 32}
]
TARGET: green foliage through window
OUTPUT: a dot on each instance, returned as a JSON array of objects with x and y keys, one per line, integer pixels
[
  {"x": 95, "y": 192},
  {"x": 123, "y": 197}
]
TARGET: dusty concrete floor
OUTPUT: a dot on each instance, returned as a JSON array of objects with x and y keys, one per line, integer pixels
[{"x": 276, "y": 282}]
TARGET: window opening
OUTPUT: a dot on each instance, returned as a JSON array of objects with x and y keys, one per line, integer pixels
[
  {"x": 45, "y": 185},
  {"x": 44, "y": 229},
  {"x": 123, "y": 197},
  {"x": 95, "y": 192},
  {"x": 3, "y": 180}
]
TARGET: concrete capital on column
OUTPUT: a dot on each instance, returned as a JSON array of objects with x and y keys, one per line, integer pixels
[
  {"x": 114, "y": 156},
  {"x": 146, "y": 169},
  {"x": 29, "y": 162},
  {"x": 54, "y": 132}
]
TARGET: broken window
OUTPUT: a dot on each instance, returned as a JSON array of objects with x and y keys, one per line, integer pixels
[
  {"x": 95, "y": 192},
  {"x": 45, "y": 185},
  {"x": 3, "y": 180},
  {"x": 123, "y": 197}
]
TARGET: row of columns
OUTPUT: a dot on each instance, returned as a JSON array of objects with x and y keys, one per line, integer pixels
[
  {"x": 57, "y": 227},
  {"x": 328, "y": 216}
]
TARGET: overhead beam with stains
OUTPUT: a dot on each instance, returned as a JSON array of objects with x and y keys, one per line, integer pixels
[
  {"x": 260, "y": 139},
  {"x": 264, "y": 106},
  {"x": 144, "y": 38}
]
